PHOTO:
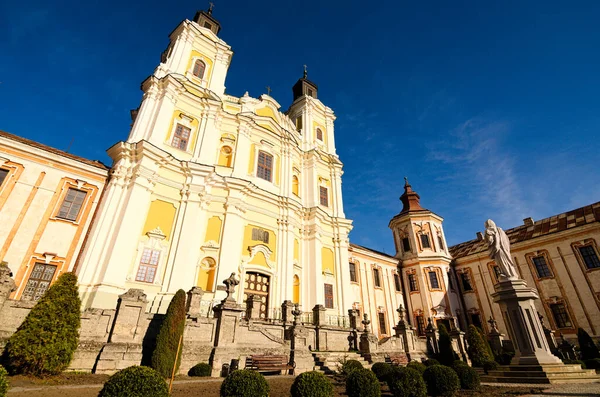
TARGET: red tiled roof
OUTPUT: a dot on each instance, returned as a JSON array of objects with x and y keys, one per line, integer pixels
[
  {"x": 93, "y": 163},
  {"x": 554, "y": 224}
]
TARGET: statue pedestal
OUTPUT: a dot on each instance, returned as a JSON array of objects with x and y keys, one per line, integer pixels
[{"x": 516, "y": 302}]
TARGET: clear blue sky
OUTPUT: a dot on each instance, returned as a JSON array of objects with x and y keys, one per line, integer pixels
[{"x": 490, "y": 108}]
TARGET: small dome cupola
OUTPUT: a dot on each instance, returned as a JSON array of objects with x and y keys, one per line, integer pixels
[
  {"x": 410, "y": 199},
  {"x": 304, "y": 87},
  {"x": 206, "y": 20}
]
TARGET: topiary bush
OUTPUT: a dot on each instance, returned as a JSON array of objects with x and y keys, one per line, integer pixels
[
  {"x": 244, "y": 383},
  {"x": 351, "y": 365},
  {"x": 430, "y": 362},
  {"x": 406, "y": 382},
  {"x": 135, "y": 381},
  {"x": 593, "y": 363},
  {"x": 45, "y": 341},
  {"x": 381, "y": 370},
  {"x": 416, "y": 365},
  {"x": 446, "y": 355},
  {"x": 468, "y": 377},
  {"x": 490, "y": 366},
  {"x": 312, "y": 384},
  {"x": 504, "y": 358},
  {"x": 588, "y": 348},
  {"x": 165, "y": 355},
  {"x": 441, "y": 381},
  {"x": 3, "y": 382},
  {"x": 478, "y": 351},
  {"x": 362, "y": 383},
  {"x": 201, "y": 369}
]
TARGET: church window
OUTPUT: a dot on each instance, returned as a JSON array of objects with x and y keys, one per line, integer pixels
[
  {"x": 476, "y": 320},
  {"x": 3, "y": 174},
  {"x": 440, "y": 242},
  {"x": 377, "y": 278},
  {"x": 433, "y": 280},
  {"x": 148, "y": 265},
  {"x": 420, "y": 321},
  {"x": 181, "y": 137},
  {"x": 397, "y": 282},
  {"x": 425, "y": 241},
  {"x": 225, "y": 156},
  {"x": 319, "y": 134},
  {"x": 405, "y": 244},
  {"x": 71, "y": 204},
  {"x": 264, "y": 169},
  {"x": 329, "y": 296},
  {"x": 295, "y": 185},
  {"x": 309, "y": 92},
  {"x": 260, "y": 235},
  {"x": 382, "y": 324},
  {"x": 207, "y": 25},
  {"x": 590, "y": 258},
  {"x": 412, "y": 283},
  {"x": 323, "y": 196},
  {"x": 199, "y": 68},
  {"x": 466, "y": 282},
  {"x": 353, "y": 277},
  {"x": 541, "y": 267},
  {"x": 299, "y": 124},
  {"x": 39, "y": 281},
  {"x": 561, "y": 317}
]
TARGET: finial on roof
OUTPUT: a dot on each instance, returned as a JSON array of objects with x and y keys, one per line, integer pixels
[
  {"x": 210, "y": 7},
  {"x": 406, "y": 182},
  {"x": 410, "y": 199},
  {"x": 305, "y": 72}
]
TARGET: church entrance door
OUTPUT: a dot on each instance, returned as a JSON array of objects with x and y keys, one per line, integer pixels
[{"x": 258, "y": 284}]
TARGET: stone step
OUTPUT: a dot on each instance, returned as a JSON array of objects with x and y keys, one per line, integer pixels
[
  {"x": 535, "y": 374},
  {"x": 536, "y": 380},
  {"x": 541, "y": 368}
]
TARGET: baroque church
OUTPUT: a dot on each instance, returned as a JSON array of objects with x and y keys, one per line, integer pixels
[{"x": 208, "y": 185}]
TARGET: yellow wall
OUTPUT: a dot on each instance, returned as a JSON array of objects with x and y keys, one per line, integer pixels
[
  {"x": 296, "y": 297},
  {"x": 225, "y": 159},
  {"x": 267, "y": 112},
  {"x": 213, "y": 229},
  {"x": 259, "y": 259},
  {"x": 248, "y": 242},
  {"x": 251, "y": 164},
  {"x": 327, "y": 260},
  {"x": 296, "y": 249},
  {"x": 161, "y": 214},
  {"x": 277, "y": 167},
  {"x": 295, "y": 184},
  {"x": 206, "y": 278}
]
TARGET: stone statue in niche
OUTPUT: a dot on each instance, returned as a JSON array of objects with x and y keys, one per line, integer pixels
[{"x": 499, "y": 250}]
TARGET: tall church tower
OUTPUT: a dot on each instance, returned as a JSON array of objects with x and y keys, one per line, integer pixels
[
  {"x": 425, "y": 263},
  {"x": 208, "y": 184}
]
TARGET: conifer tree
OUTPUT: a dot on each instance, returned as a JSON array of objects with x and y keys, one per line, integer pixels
[
  {"x": 167, "y": 341},
  {"x": 45, "y": 341},
  {"x": 588, "y": 348},
  {"x": 447, "y": 355},
  {"x": 478, "y": 351}
]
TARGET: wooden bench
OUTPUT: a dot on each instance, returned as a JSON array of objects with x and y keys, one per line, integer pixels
[
  {"x": 269, "y": 363},
  {"x": 398, "y": 359}
]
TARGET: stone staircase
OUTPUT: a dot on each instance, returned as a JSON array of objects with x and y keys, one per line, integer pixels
[
  {"x": 541, "y": 374},
  {"x": 331, "y": 362}
]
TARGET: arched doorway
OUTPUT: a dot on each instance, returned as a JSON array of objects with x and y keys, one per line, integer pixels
[{"x": 258, "y": 284}]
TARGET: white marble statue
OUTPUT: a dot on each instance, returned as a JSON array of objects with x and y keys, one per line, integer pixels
[{"x": 499, "y": 250}]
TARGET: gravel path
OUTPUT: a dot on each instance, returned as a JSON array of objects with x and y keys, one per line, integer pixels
[{"x": 571, "y": 390}]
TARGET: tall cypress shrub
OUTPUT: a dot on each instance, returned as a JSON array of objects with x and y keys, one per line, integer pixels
[
  {"x": 478, "y": 351},
  {"x": 167, "y": 341},
  {"x": 45, "y": 341},
  {"x": 588, "y": 348},
  {"x": 447, "y": 355}
]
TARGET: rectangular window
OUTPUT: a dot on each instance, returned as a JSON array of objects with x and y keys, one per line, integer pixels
[
  {"x": 433, "y": 280},
  {"x": 148, "y": 265},
  {"x": 412, "y": 283},
  {"x": 3, "y": 174},
  {"x": 589, "y": 257},
  {"x": 541, "y": 267},
  {"x": 299, "y": 124},
  {"x": 260, "y": 235},
  {"x": 38, "y": 282},
  {"x": 264, "y": 169},
  {"x": 181, "y": 137},
  {"x": 71, "y": 205},
  {"x": 441, "y": 241},
  {"x": 353, "y": 277},
  {"x": 561, "y": 316},
  {"x": 466, "y": 282},
  {"x": 420, "y": 321},
  {"x": 425, "y": 241},
  {"x": 323, "y": 196},
  {"x": 376, "y": 278},
  {"x": 450, "y": 282},
  {"x": 405, "y": 244},
  {"x": 382, "y": 324},
  {"x": 476, "y": 321},
  {"x": 397, "y": 282},
  {"x": 329, "y": 296},
  {"x": 496, "y": 269}
]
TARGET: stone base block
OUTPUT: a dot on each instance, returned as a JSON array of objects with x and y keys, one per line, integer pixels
[
  {"x": 117, "y": 356},
  {"x": 542, "y": 374}
]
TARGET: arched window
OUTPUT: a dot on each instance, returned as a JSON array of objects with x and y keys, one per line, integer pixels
[
  {"x": 319, "y": 134},
  {"x": 296, "y": 297},
  {"x": 206, "y": 278},
  {"x": 199, "y": 68},
  {"x": 225, "y": 155},
  {"x": 295, "y": 185}
]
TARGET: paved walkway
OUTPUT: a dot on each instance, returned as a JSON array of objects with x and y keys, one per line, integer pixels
[{"x": 571, "y": 390}]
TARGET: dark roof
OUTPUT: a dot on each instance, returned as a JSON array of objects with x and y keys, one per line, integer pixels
[
  {"x": 93, "y": 163},
  {"x": 372, "y": 250},
  {"x": 554, "y": 224}
]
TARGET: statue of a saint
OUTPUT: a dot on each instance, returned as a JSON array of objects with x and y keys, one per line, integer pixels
[{"x": 499, "y": 250}]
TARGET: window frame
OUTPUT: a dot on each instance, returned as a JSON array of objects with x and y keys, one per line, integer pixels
[
  {"x": 178, "y": 135},
  {"x": 397, "y": 282},
  {"x": 420, "y": 324},
  {"x": 377, "y": 277},
  {"x": 405, "y": 243},
  {"x": 72, "y": 203},
  {"x": 425, "y": 241},
  {"x": 469, "y": 280},
  {"x": 196, "y": 62},
  {"x": 261, "y": 235},
  {"x": 42, "y": 279},
  {"x": 564, "y": 315},
  {"x": 265, "y": 170},
  {"x": 3, "y": 179},
  {"x": 323, "y": 196},
  {"x": 413, "y": 286},
  {"x": 437, "y": 280},
  {"x": 544, "y": 266},
  {"x": 441, "y": 242},
  {"x": 319, "y": 134},
  {"x": 352, "y": 270},
  {"x": 382, "y": 323},
  {"x": 148, "y": 265},
  {"x": 594, "y": 253},
  {"x": 329, "y": 302}
]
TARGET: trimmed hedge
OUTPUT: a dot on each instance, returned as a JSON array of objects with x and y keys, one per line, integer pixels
[
  {"x": 431, "y": 361},
  {"x": 478, "y": 349},
  {"x": 417, "y": 365},
  {"x": 446, "y": 355},
  {"x": 351, "y": 365},
  {"x": 167, "y": 341},
  {"x": 441, "y": 381},
  {"x": 593, "y": 363},
  {"x": 362, "y": 383},
  {"x": 406, "y": 382},
  {"x": 3, "y": 382},
  {"x": 312, "y": 384},
  {"x": 244, "y": 383},
  {"x": 200, "y": 369},
  {"x": 468, "y": 377},
  {"x": 135, "y": 381},
  {"x": 504, "y": 358},
  {"x": 490, "y": 366},
  {"x": 588, "y": 348},
  {"x": 45, "y": 341},
  {"x": 381, "y": 370}
]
